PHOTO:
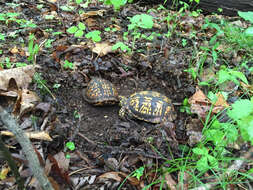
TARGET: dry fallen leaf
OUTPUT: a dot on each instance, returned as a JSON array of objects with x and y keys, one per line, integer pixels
[
  {"x": 170, "y": 182},
  {"x": 41, "y": 135},
  {"x": 201, "y": 105},
  {"x": 102, "y": 48},
  {"x": 117, "y": 177},
  {"x": 92, "y": 13},
  {"x": 21, "y": 75}
]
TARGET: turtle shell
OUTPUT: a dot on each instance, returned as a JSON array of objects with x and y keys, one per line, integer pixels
[
  {"x": 149, "y": 106},
  {"x": 100, "y": 92}
]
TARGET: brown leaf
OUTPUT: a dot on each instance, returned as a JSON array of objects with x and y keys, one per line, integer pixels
[
  {"x": 41, "y": 135},
  {"x": 21, "y": 75},
  {"x": 170, "y": 182},
  {"x": 59, "y": 168},
  {"x": 102, "y": 48},
  {"x": 117, "y": 177}
]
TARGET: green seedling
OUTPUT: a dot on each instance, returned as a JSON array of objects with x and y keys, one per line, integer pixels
[
  {"x": 117, "y": 4},
  {"x": 226, "y": 74},
  {"x": 205, "y": 161},
  {"x": 138, "y": 173},
  {"x": 121, "y": 46},
  {"x": 48, "y": 43},
  {"x": 67, "y": 8},
  {"x": 94, "y": 35},
  {"x": 33, "y": 48},
  {"x": 42, "y": 84},
  {"x": 242, "y": 115},
  {"x": 2, "y": 36},
  {"x": 77, "y": 30},
  {"x": 77, "y": 115},
  {"x": 184, "y": 42},
  {"x": 68, "y": 65},
  {"x": 143, "y": 21},
  {"x": 70, "y": 146},
  {"x": 249, "y": 17},
  {"x": 56, "y": 86},
  {"x": 186, "y": 107}
]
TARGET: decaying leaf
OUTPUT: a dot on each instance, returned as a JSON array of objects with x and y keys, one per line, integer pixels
[
  {"x": 201, "y": 105},
  {"x": 92, "y": 13},
  {"x": 119, "y": 176},
  {"x": 41, "y": 135},
  {"x": 102, "y": 48},
  {"x": 21, "y": 75}
]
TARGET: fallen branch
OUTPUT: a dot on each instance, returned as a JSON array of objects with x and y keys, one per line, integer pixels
[{"x": 27, "y": 148}]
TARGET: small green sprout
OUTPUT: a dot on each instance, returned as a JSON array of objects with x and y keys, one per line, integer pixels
[
  {"x": 122, "y": 46},
  {"x": 56, "y": 86},
  {"x": 2, "y": 36},
  {"x": 94, "y": 35},
  {"x": 33, "y": 48},
  {"x": 68, "y": 65},
  {"x": 141, "y": 21},
  {"x": 76, "y": 114},
  {"x": 70, "y": 145},
  {"x": 186, "y": 107},
  {"x": 77, "y": 30},
  {"x": 206, "y": 160},
  {"x": 138, "y": 173}
]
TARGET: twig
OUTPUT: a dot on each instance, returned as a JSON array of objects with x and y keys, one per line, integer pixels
[{"x": 27, "y": 148}]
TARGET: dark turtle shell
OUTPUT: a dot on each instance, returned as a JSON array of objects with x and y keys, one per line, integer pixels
[
  {"x": 100, "y": 92},
  {"x": 149, "y": 106}
]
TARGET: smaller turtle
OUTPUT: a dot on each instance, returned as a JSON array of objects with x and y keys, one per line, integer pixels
[
  {"x": 100, "y": 92},
  {"x": 149, "y": 106}
]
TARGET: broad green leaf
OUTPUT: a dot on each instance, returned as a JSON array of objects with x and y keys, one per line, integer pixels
[
  {"x": 249, "y": 31},
  {"x": 216, "y": 136},
  {"x": 81, "y": 26},
  {"x": 202, "y": 164},
  {"x": 240, "y": 75},
  {"x": 223, "y": 76},
  {"x": 72, "y": 29},
  {"x": 240, "y": 109},
  {"x": 246, "y": 15},
  {"x": 70, "y": 145},
  {"x": 79, "y": 33},
  {"x": 200, "y": 151}
]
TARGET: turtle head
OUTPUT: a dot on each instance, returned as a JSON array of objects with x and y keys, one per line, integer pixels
[{"x": 122, "y": 101}]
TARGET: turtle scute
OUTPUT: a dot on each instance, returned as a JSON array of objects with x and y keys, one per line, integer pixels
[
  {"x": 149, "y": 106},
  {"x": 100, "y": 92}
]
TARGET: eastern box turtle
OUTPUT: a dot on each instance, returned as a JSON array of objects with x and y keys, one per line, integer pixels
[
  {"x": 100, "y": 92},
  {"x": 148, "y": 106}
]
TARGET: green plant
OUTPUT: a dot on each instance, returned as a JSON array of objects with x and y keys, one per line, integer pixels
[
  {"x": 33, "y": 48},
  {"x": 185, "y": 106},
  {"x": 121, "y": 46},
  {"x": 70, "y": 146},
  {"x": 117, "y": 3},
  {"x": 143, "y": 21},
  {"x": 2, "y": 36},
  {"x": 94, "y": 35},
  {"x": 68, "y": 65},
  {"x": 42, "y": 84},
  {"x": 247, "y": 16},
  {"x": 77, "y": 30},
  {"x": 48, "y": 43},
  {"x": 206, "y": 160},
  {"x": 225, "y": 74}
]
